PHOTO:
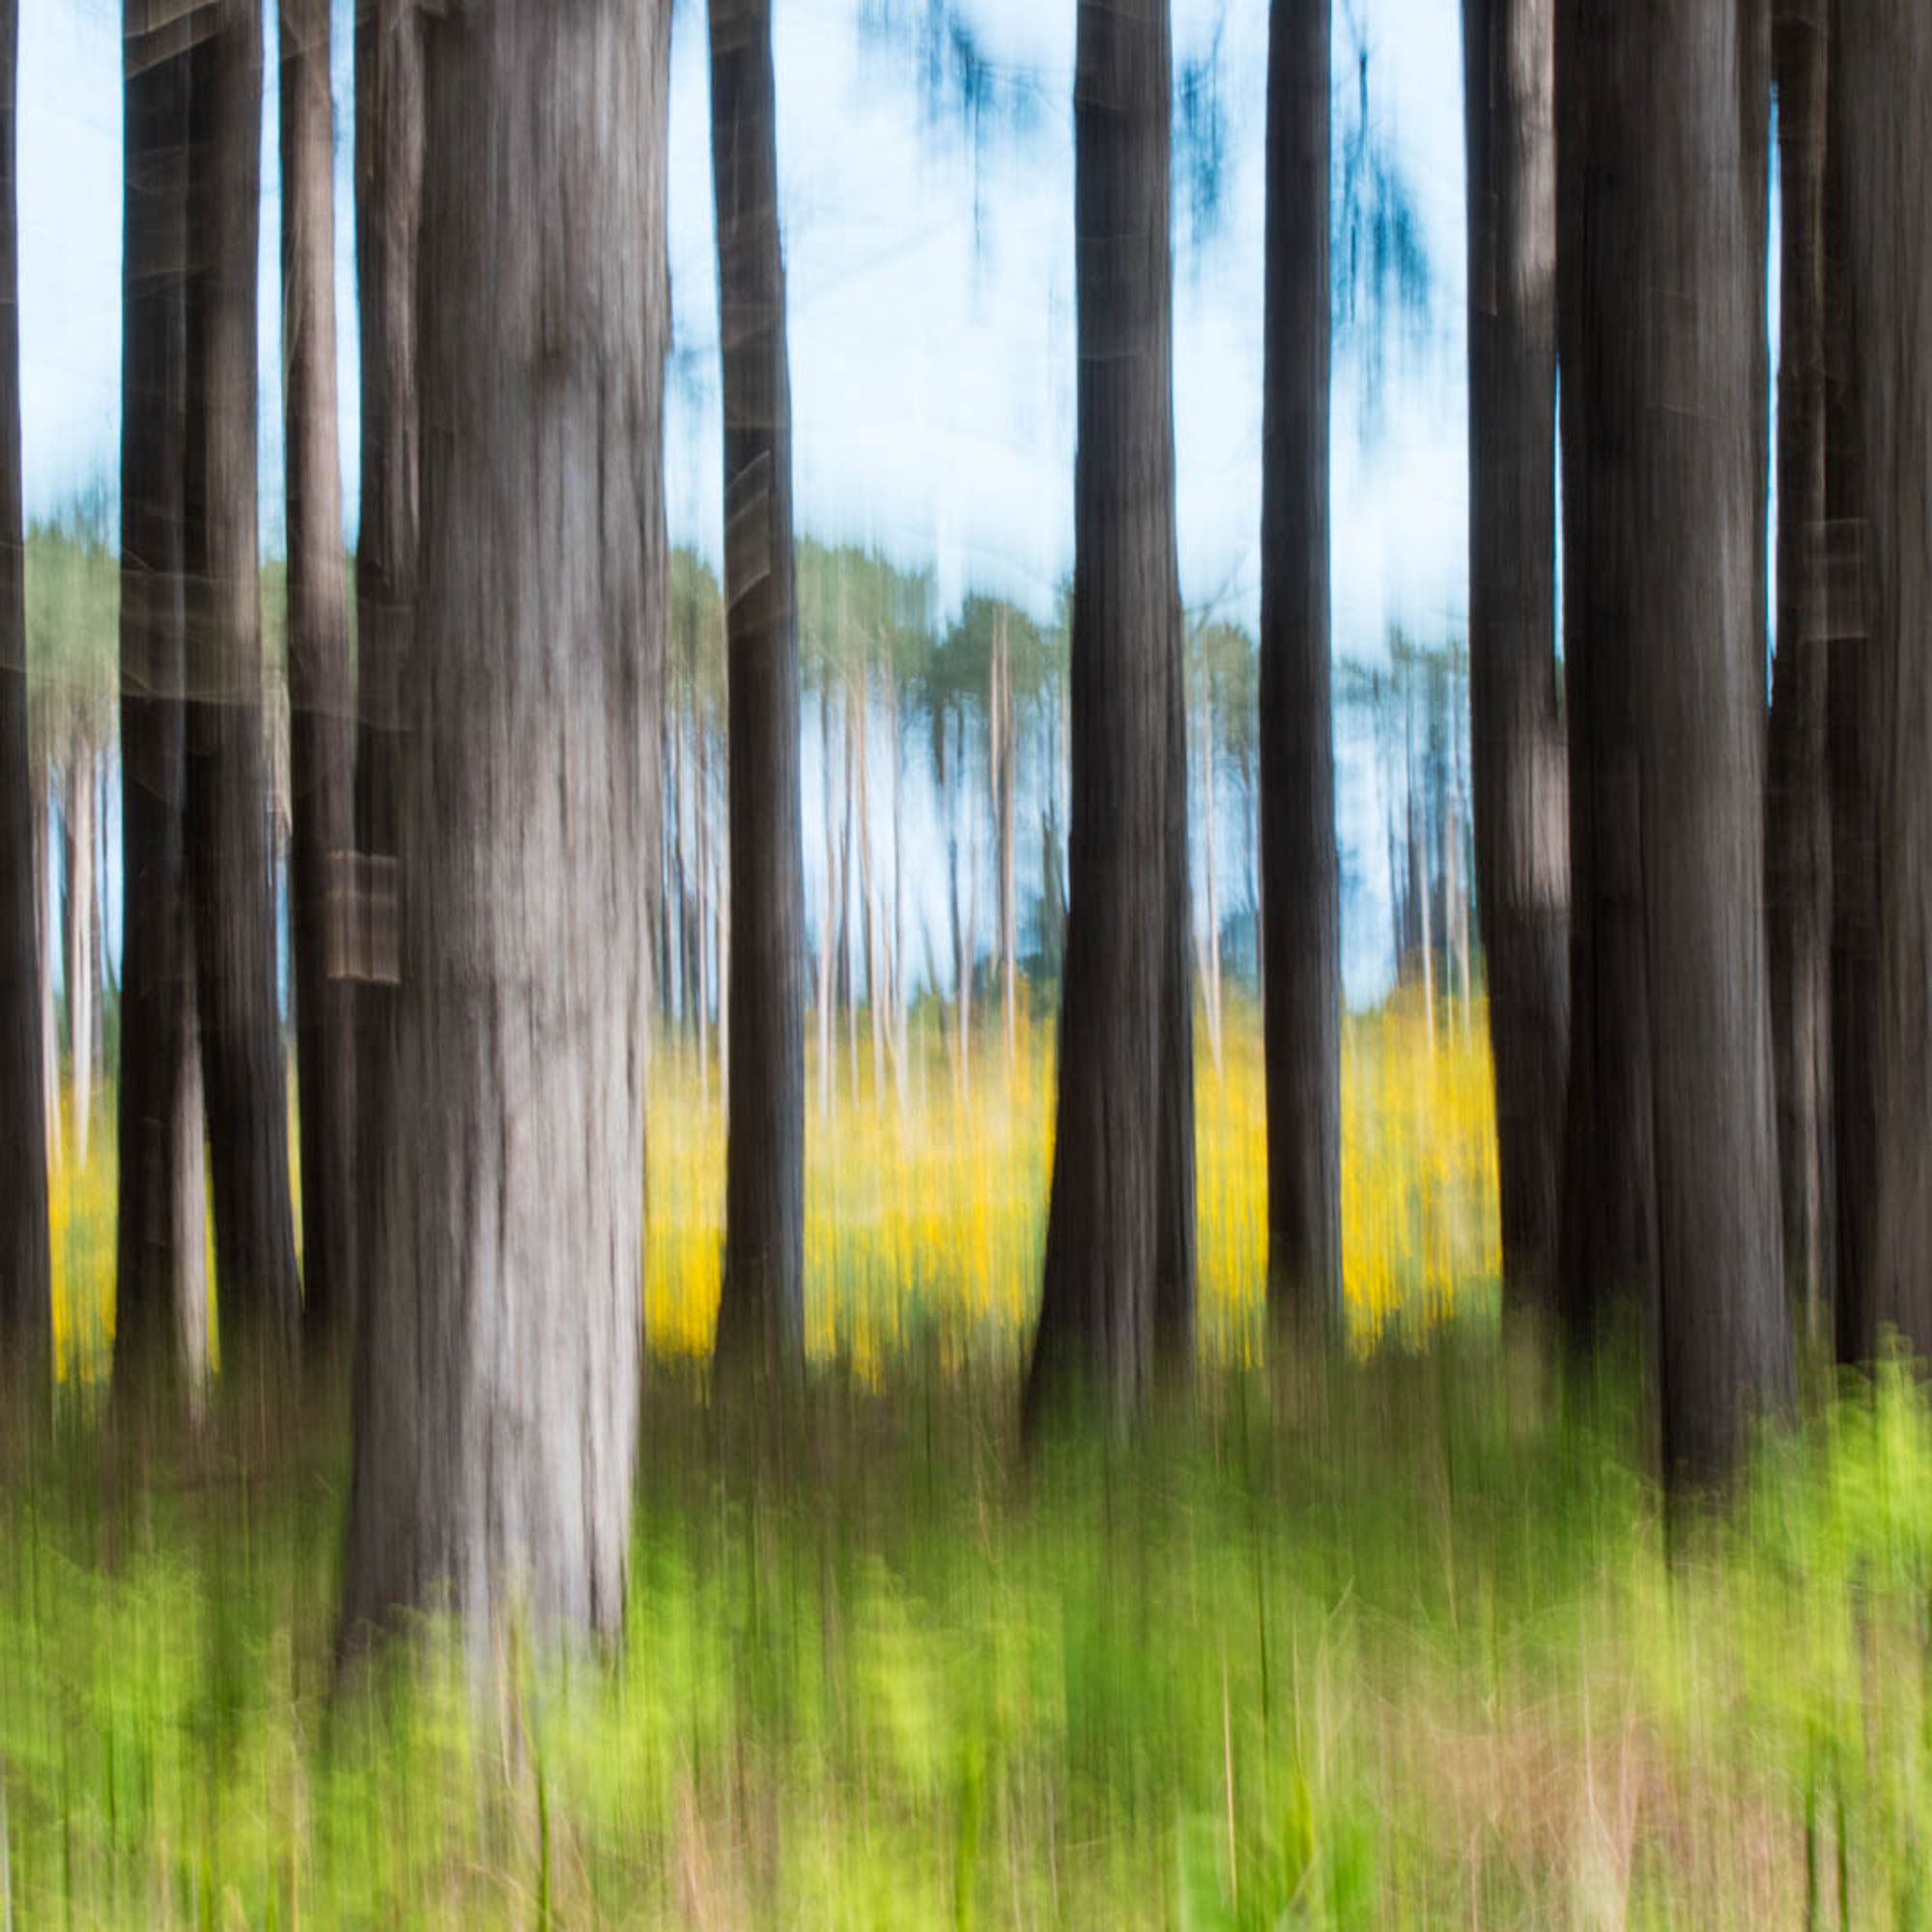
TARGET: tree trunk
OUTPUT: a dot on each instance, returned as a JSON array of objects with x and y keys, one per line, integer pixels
[
  {"x": 389, "y": 191},
  {"x": 963, "y": 921},
  {"x": 321, "y": 745},
  {"x": 46, "y": 943},
  {"x": 869, "y": 896},
  {"x": 1105, "y": 1240},
  {"x": 1857, "y": 745},
  {"x": 1658, "y": 100},
  {"x": 1211, "y": 958},
  {"x": 1301, "y": 969},
  {"x": 826, "y": 921},
  {"x": 848, "y": 964},
  {"x": 497, "y": 1391},
  {"x": 898, "y": 972},
  {"x": 762, "y": 1308},
  {"x": 1420, "y": 897},
  {"x": 82, "y": 979},
  {"x": 1798, "y": 833},
  {"x": 1176, "y": 1257},
  {"x": 227, "y": 779},
  {"x": 161, "y": 1311},
  {"x": 1516, "y": 749},
  {"x": 1000, "y": 729},
  {"x": 24, "y": 1358},
  {"x": 1608, "y": 1240},
  {"x": 1881, "y": 67}
]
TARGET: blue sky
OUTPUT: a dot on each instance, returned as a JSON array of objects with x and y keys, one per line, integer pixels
[
  {"x": 931, "y": 310},
  {"x": 931, "y": 318}
]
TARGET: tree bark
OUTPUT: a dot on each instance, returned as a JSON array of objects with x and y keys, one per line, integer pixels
[
  {"x": 1607, "y": 1241},
  {"x": 227, "y": 774},
  {"x": 161, "y": 1307},
  {"x": 1881, "y": 67},
  {"x": 1108, "y": 1242},
  {"x": 498, "y": 1382},
  {"x": 24, "y": 1313},
  {"x": 1857, "y": 746},
  {"x": 1798, "y": 830},
  {"x": 322, "y": 743},
  {"x": 388, "y": 195},
  {"x": 761, "y": 1307},
  {"x": 1658, "y": 98},
  {"x": 1301, "y": 969},
  {"x": 1517, "y": 747}
]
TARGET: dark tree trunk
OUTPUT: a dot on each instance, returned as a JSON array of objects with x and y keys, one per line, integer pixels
[
  {"x": 161, "y": 1248},
  {"x": 1658, "y": 97},
  {"x": 1882, "y": 69},
  {"x": 1799, "y": 825},
  {"x": 1176, "y": 1259},
  {"x": 24, "y": 1358},
  {"x": 1608, "y": 1238},
  {"x": 1523, "y": 854},
  {"x": 761, "y": 1308},
  {"x": 498, "y": 1350},
  {"x": 388, "y": 192},
  {"x": 227, "y": 776},
  {"x": 322, "y": 742},
  {"x": 1301, "y": 961},
  {"x": 1858, "y": 744},
  {"x": 1106, "y": 1244}
]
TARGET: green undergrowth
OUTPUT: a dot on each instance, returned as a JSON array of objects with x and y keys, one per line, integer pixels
[{"x": 1404, "y": 1648}]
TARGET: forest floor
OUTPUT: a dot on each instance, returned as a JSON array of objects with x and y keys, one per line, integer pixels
[{"x": 1409, "y": 1641}]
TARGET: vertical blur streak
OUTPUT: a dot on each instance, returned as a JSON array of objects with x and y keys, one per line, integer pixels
[
  {"x": 162, "y": 1200},
  {"x": 1522, "y": 855},
  {"x": 321, "y": 745},
  {"x": 1798, "y": 829},
  {"x": 1302, "y": 965},
  {"x": 1664, "y": 98},
  {"x": 1883, "y": 65},
  {"x": 227, "y": 785},
  {"x": 1608, "y": 1238},
  {"x": 389, "y": 191},
  {"x": 24, "y": 1153},
  {"x": 496, "y": 1394},
  {"x": 762, "y": 1311},
  {"x": 1104, "y": 1240}
]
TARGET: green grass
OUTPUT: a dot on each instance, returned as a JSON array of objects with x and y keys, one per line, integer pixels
[{"x": 1400, "y": 1649}]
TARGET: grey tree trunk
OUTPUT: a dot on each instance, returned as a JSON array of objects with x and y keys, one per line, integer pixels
[
  {"x": 1658, "y": 98},
  {"x": 1301, "y": 959},
  {"x": 388, "y": 193},
  {"x": 321, "y": 729},
  {"x": 162, "y": 1304},
  {"x": 498, "y": 1351},
  {"x": 761, "y": 1306},
  {"x": 24, "y": 1315},
  {"x": 1517, "y": 746},
  {"x": 1108, "y": 1244},
  {"x": 227, "y": 800},
  {"x": 1881, "y": 67},
  {"x": 1798, "y": 870}
]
